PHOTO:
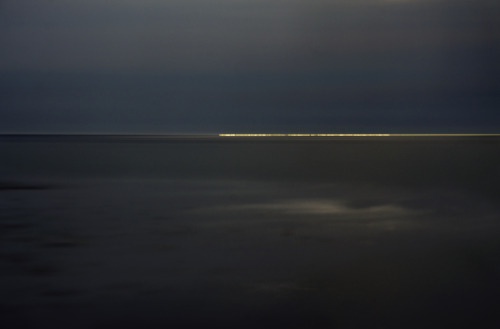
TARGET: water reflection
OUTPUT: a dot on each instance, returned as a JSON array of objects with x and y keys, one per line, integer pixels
[
  {"x": 317, "y": 207},
  {"x": 166, "y": 249},
  {"x": 145, "y": 252}
]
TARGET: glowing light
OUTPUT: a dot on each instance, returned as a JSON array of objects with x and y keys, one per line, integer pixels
[
  {"x": 298, "y": 135},
  {"x": 356, "y": 135}
]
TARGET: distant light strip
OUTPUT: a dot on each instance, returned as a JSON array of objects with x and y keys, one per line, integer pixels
[
  {"x": 298, "y": 135},
  {"x": 355, "y": 135}
]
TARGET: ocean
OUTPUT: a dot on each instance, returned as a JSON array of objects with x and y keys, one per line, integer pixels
[{"x": 249, "y": 232}]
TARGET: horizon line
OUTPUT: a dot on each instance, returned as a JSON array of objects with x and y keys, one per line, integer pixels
[{"x": 159, "y": 135}]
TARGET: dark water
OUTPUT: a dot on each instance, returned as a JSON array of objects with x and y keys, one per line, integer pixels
[{"x": 188, "y": 232}]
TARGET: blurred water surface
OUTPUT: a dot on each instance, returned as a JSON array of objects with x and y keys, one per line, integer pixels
[{"x": 129, "y": 232}]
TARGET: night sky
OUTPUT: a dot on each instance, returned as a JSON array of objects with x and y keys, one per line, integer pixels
[{"x": 249, "y": 66}]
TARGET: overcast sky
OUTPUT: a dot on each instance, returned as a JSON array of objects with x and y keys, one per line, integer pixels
[{"x": 186, "y": 66}]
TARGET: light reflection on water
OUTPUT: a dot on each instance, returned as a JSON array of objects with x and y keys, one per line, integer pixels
[{"x": 350, "y": 250}]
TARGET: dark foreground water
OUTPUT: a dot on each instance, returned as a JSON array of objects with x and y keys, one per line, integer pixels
[{"x": 192, "y": 232}]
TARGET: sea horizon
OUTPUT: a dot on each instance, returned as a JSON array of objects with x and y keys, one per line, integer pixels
[{"x": 259, "y": 231}]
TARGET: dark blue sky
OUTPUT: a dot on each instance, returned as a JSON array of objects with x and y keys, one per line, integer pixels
[{"x": 197, "y": 66}]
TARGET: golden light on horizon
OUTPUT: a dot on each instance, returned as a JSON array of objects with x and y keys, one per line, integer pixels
[
  {"x": 355, "y": 135},
  {"x": 298, "y": 135}
]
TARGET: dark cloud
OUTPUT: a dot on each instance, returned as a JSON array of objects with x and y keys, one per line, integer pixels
[
  {"x": 253, "y": 65},
  {"x": 237, "y": 34},
  {"x": 251, "y": 102}
]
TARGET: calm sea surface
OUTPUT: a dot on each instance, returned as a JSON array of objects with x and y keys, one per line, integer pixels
[{"x": 193, "y": 231}]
